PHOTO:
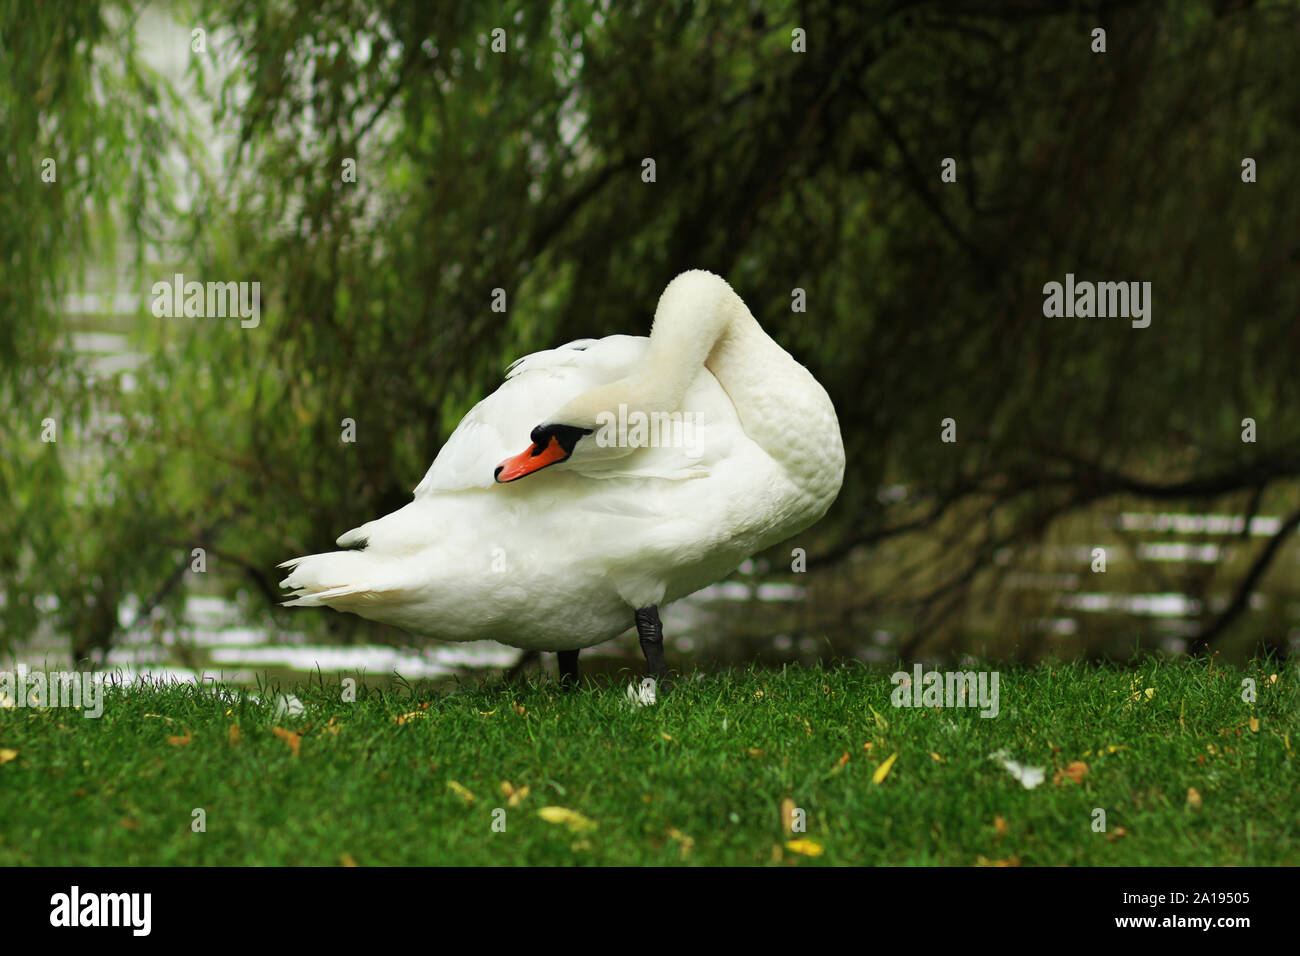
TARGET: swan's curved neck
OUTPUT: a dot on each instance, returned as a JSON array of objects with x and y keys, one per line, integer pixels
[{"x": 701, "y": 321}]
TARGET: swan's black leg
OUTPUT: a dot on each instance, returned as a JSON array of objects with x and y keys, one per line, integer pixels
[
  {"x": 651, "y": 632},
  {"x": 568, "y": 669},
  {"x": 527, "y": 659}
]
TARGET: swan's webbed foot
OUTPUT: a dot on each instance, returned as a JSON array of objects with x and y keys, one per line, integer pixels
[
  {"x": 650, "y": 630},
  {"x": 568, "y": 669}
]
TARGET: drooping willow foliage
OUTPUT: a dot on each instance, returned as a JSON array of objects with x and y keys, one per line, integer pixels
[{"x": 382, "y": 168}]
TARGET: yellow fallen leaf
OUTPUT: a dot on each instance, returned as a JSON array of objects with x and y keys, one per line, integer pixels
[
  {"x": 787, "y": 815},
  {"x": 1139, "y": 692},
  {"x": 936, "y": 757},
  {"x": 1254, "y": 725},
  {"x": 1193, "y": 798},
  {"x": 346, "y": 860},
  {"x": 514, "y": 795},
  {"x": 682, "y": 840},
  {"x": 520, "y": 709},
  {"x": 7, "y": 754},
  {"x": 867, "y": 746},
  {"x": 1116, "y": 834},
  {"x": 289, "y": 737},
  {"x": 180, "y": 741},
  {"x": 804, "y": 847},
  {"x": 755, "y": 752},
  {"x": 486, "y": 713},
  {"x": 460, "y": 791},
  {"x": 999, "y": 827},
  {"x": 572, "y": 819},
  {"x": 665, "y": 736},
  {"x": 883, "y": 770},
  {"x": 842, "y": 761}
]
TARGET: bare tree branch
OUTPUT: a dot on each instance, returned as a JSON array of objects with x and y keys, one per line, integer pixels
[{"x": 1241, "y": 599}]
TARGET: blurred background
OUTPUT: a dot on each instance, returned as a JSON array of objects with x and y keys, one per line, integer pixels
[{"x": 798, "y": 150}]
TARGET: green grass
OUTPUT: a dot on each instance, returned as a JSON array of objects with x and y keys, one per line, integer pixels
[{"x": 699, "y": 778}]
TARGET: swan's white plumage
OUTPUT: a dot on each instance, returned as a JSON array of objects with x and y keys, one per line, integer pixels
[
  {"x": 559, "y": 559},
  {"x": 499, "y": 425}
]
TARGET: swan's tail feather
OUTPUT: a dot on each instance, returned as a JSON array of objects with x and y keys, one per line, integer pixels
[
  {"x": 343, "y": 580},
  {"x": 333, "y": 597}
]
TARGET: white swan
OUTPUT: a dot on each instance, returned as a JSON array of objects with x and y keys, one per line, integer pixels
[{"x": 744, "y": 452}]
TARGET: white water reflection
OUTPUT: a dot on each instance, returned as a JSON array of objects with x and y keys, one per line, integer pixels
[
  {"x": 1260, "y": 526},
  {"x": 1147, "y": 605},
  {"x": 1180, "y": 551},
  {"x": 440, "y": 661}
]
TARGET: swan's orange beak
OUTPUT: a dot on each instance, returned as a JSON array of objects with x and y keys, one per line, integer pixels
[{"x": 534, "y": 459}]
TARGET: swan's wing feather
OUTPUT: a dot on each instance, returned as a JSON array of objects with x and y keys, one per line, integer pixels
[
  {"x": 535, "y": 385},
  {"x": 681, "y": 451},
  {"x": 568, "y": 354}
]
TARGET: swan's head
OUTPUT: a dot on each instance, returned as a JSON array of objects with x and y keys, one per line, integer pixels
[
  {"x": 576, "y": 434},
  {"x": 551, "y": 445}
]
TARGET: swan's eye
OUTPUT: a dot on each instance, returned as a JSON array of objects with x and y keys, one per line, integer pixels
[{"x": 567, "y": 435}]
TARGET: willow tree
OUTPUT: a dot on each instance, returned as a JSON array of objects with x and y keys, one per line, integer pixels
[
  {"x": 424, "y": 191},
  {"x": 83, "y": 131}
]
